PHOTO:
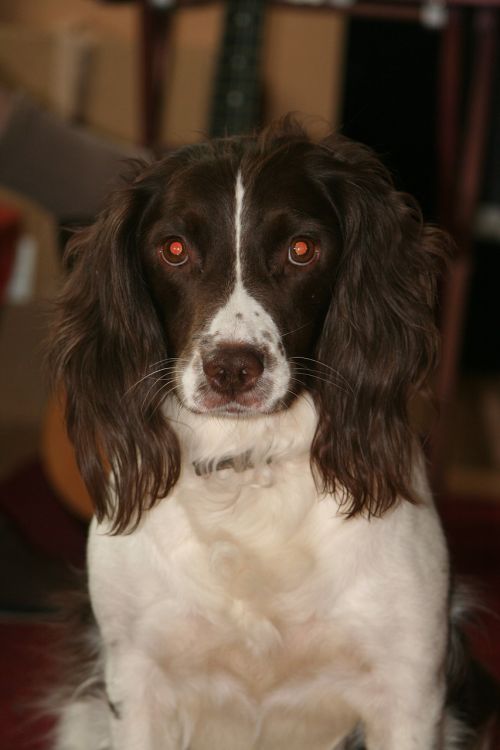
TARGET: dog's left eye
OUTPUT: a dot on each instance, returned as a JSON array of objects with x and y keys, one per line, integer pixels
[
  {"x": 302, "y": 251},
  {"x": 174, "y": 252}
]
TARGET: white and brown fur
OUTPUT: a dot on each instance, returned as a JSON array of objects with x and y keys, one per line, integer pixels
[{"x": 266, "y": 566}]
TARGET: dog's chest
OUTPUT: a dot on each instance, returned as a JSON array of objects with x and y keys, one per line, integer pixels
[
  {"x": 251, "y": 553},
  {"x": 240, "y": 581},
  {"x": 256, "y": 583}
]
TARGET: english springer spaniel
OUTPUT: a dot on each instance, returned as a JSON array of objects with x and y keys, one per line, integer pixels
[{"x": 239, "y": 338}]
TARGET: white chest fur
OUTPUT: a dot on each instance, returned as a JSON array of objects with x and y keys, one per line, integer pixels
[{"x": 245, "y": 601}]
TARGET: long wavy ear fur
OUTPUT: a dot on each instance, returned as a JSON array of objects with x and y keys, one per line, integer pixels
[
  {"x": 379, "y": 334},
  {"x": 106, "y": 337}
]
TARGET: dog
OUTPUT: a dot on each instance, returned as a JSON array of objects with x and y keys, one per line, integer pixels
[{"x": 239, "y": 338}]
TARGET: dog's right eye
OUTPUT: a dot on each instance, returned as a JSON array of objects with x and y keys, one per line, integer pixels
[
  {"x": 174, "y": 252},
  {"x": 302, "y": 251}
]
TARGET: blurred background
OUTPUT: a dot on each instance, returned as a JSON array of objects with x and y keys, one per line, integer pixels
[{"x": 85, "y": 84}]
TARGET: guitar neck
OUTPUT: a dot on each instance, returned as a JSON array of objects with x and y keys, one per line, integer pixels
[{"x": 237, "y": 93}]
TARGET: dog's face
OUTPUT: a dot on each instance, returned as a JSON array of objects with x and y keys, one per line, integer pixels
[
  {"x": 231, "y": 276},
  {"x": 241, "y": 263}
]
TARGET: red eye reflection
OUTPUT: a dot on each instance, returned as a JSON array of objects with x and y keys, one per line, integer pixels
[
  {"x": 174, "y": 252},
  {"x": 302, "y": 251}
]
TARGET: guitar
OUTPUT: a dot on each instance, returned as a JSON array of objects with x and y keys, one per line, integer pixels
[{"x": 59, "y": 462}]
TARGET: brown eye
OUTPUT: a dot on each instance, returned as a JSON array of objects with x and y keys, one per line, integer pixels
[
  {"x": 174, "y": 252},
  {"x": 302, "y": 252}
]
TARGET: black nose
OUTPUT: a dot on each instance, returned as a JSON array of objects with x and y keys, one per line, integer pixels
[{"x": 233, "y": 369}]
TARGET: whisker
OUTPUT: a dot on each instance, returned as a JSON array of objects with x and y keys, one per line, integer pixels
[
  {"x": 160, "y": 361},
  {"x": 164, "y": 396},
  {"x": 336, "y": 385},
  {"x": 148, "y": 375},
  {"x": 295, "y": 330},
  {"x": 168, "y": 359},
  {"x": 147, "y": 401},
  {"x": 315, "y": 361},
  {"x": 170, "y": 368},
  {"x": 328, "y": 367},
  {"x": 330, "y": 381}
]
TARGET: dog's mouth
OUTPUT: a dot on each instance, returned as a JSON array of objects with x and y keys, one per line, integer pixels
[{"x": 231, "y": 404}]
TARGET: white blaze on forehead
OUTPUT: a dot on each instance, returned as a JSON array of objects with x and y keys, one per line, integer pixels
[
  {"x": 238, "y": 221},
  {"x": 241, "y": 319}
]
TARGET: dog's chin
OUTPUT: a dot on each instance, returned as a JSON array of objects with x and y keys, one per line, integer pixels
[
  {"x": 232, "y": 408},
  {"x": 234, "y": 411},
  {"x": 245, "y": 405}
]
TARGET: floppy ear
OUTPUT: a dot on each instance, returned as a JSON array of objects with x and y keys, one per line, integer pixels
[
  {"x": 106, "y": 337},
  {"x": 379, "y": 334}
]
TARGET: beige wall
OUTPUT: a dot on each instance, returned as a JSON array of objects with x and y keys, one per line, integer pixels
[
  {"x": 117, "y": 20},
  {"x": 302, "y": 62}
]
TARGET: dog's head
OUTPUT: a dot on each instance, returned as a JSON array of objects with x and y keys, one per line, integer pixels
[{"x": 232, "y": 276}]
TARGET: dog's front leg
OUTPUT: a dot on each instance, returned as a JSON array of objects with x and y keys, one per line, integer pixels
[
  {"x": 143, "y": 704},
  {"x": 407, "y": 717},
  {"x": 143, "y": 709}
]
